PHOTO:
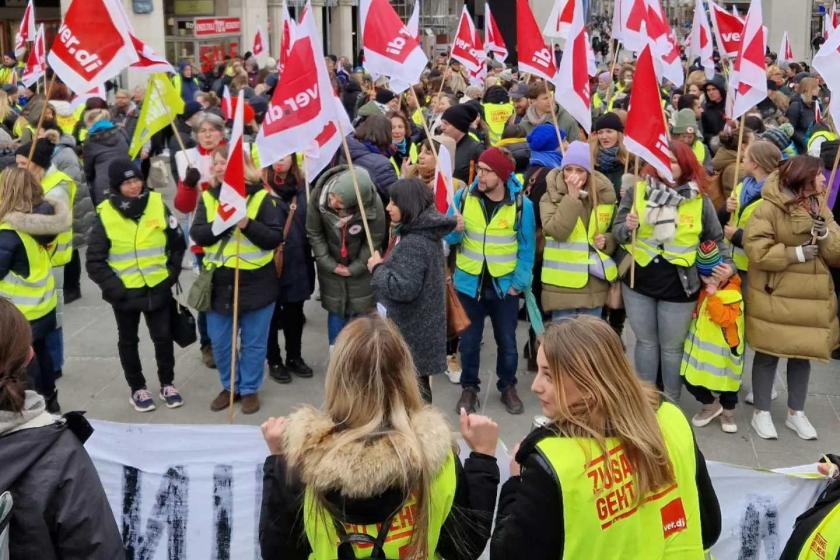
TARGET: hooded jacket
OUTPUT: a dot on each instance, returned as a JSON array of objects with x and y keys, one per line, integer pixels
[
  {"x": 378, "y": 166},
  {"x": 714, "y": 114},
  {"x": 559, "y": 213},
  {"x": 47, "y": 220},
  {"x": 364, "y": 481},
  {"x": 65, "y": 160},
  {"x": 61, "y": 511},
  {"x": 791, "y": 309},
  {"x": 411, "y": 286},
  {"x": 802, "y": 116},
  {"x": 336, "y": 240},
  {"x": 100, "y": 149},
  {"x": 724, "y": 163}
]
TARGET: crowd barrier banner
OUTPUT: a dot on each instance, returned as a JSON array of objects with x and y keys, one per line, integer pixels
[{"x": 192, "y": 492}]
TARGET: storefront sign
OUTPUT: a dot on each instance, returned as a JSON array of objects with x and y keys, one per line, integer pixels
[
  {"x": 210, "y": 27},
  {"x": 194, "y": 7}
]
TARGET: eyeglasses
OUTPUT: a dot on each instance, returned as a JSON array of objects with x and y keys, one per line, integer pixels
[{"x": 483, "y": 170}]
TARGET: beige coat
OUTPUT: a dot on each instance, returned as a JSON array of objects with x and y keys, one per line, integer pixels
[
  {"x": 559, "y": 214},
  {"x": 791, "y": 308}
]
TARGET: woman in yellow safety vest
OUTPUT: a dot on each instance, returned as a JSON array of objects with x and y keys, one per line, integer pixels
[
  {"x": 404, "y": 149},
  {"x": 134, "y": 255},
  {"x": 375, "y": 473},
  {"x": 685, "y": 130},
  {"x": 29, "y": 224},
  {"x": 577, "y": 212},
  {"x": 248, "y": 245},
  {"x": 612, "y": 472},
  {"x": 672, "y": 217}
]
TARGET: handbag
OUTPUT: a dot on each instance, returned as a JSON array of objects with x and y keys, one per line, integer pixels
[
  {"x": 457, "y": 320},
  {"x": 200, "y": 297},
  {"x": 279, "y": 253},
  {"x": 181, "y": 321},
  {"x": 614, "y": 297}
]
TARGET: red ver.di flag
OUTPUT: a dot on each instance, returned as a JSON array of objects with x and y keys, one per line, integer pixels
[
  {"x": 748, "y": 79},
  {"x": 728, "y": 29},
  {"x": 493, "y": 40},
  {"x": 233, "y": 198},
  {"x": 467, "y": 48},
  {"x": 444, "y": 190},
  {"x": 573, "y": 76},
  {"x": 645, "y": 135},
  {"x": 535, "y": 58},
  {"x": 390, "y": 48},
  {"x": 701, "y": 41},
  {"x": 150, "y": 61},
  {"x": 26, "y": 32},
  {"x": 260, "y": 42},
  {"x": 93, "y": 44},
  {"x": 36, "y": 65}
]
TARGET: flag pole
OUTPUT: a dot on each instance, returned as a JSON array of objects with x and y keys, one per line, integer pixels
[
  {"x": 356, "y": 186},
  {"x": 234, "y": 333},
  {"x": 306, "y": 179},
  {"x": 612, "y": 73},
  {"x": 633, "y": 234},
  {"x": 824, "y": 198},
  {"x": 40, "y": 121},
  {"x": 172, "y": 122},
  {"x": 425, "y": 125},
  {"x": 554, "y": 117},
  {"x": 738, "y": 151}
]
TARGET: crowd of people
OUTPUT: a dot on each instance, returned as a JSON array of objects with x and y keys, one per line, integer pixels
[{"x": 738, "y": 249}]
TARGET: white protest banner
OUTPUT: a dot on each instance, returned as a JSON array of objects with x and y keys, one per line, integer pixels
[{"x": 193, "y": 492}]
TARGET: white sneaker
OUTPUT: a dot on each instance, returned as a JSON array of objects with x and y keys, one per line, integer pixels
[
  {"x": 453, "y": 368},
  {"x": 774, "y": 394},
  {"x": 708, "y": 413},
  {"x": 727, "y": 422},
  {"x": 762, "y": 423},
  {"x": 799, "y": 423}
]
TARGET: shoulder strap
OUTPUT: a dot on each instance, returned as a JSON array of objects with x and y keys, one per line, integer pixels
[
  {"x": 288, "y": 226},
  {"x": 518, "y": 200},
  {"x": 346, "y": 541}
]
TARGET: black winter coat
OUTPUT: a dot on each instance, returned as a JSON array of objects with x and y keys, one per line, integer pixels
[
  {"x": 257, "y": 288},
  {"x": 378, "y": 166},
  {"x": 802, "y": 117},
  {"x": 467, "y": 150},
  {"x": 411, "y": 285},
  {"x": 298, "y": 280},
  {"x": 113, "y": 289},
  {"x": 100, "y": 149}
]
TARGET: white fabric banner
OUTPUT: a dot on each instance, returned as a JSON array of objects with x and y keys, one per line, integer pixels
[{"x": 193, "y": 492}]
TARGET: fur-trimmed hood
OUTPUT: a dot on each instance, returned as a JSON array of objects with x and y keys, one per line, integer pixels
[
  {"x": 361, "y": 470},
  {"x": 41, "y": 223}
]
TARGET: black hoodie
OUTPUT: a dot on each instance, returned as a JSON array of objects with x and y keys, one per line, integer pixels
[{"x": 714, "y": 114}]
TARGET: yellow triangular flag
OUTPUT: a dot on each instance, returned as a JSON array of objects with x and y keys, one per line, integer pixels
[{"x": 160, "y": 106}]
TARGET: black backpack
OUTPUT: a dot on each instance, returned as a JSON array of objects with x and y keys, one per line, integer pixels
[{"x": 347, "y": 540}]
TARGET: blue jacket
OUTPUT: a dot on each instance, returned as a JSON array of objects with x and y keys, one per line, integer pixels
[{"x": 526, "y": 236}]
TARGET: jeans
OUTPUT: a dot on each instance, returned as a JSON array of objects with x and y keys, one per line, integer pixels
[
  {"x": 660, "y": 328},
  {"x": 253, "y": 334},
  {"x": 55, "y": 339},
  {"x": 764, "y": 372},
  {"x": 503, "y": 315},
  {"x": 157, "y": 321},
  {"x": 728, "y": 399},
  {"x": 288, "y": 317},
  {"x": 560, "y": 314},
  {"x": 335, "y": 324},
  {"x": 40, "y": 370}
]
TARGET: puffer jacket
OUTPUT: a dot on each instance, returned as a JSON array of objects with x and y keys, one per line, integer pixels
[
  {"x": 65, "y": 160},
  {"x": 802, "y": 116},
  {"x": 350, "y": 295},
  {"x": 791, "y": 308},
  {"x": 378, "y": 166},
  {"x": 724, "y": 163},
  {"x": 100, "y": 149},
  {"x": 560, "y": 213}
]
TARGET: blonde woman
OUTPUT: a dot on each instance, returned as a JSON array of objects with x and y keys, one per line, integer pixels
[
  {"x": 614, "y": 469},
  {"x": 376, "y": 455}
]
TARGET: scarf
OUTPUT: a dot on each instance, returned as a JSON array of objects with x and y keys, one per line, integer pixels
[
  {"x": 131, "y": 208},
  {"x": 608, "y": 160},
  {"x": 550, "y": 159},
  {"x": 33, "y": 406},
  {"x": 205, "y": 152},
  {"x": 100, "y": 126},
  {"x": 661, "y": 208},
  {"x": 750, "y": 192},
  {"x": 285, "y": 188},
  {"x": 402, "y": 147}
]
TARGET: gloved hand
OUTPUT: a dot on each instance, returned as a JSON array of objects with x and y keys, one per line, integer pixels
[
  {"x": 805, "y": 253},
  {"x": 819, "y": 229},
  {"x": 192, "y": 177},
  {"x": 628, "y": 180}
]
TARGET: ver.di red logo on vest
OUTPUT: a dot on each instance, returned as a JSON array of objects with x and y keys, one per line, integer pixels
[{"x": 673, "y": 518}]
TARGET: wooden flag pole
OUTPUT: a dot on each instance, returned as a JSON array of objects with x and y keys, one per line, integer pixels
[
  {"x": 234, "y": 333},
  {"x": 40, "y": 121},
  {"x": 554, "y": 118},
  {"x": 738, "y": 151},
  {"x": 425, "y": 125},
  {"x": 633, "y": 234},
  {"x": 356, "y": 187},
  {"x": 306, "y": 180},
  {"x": 824, "y": 198},
  {"x": 612, "y": 79}
]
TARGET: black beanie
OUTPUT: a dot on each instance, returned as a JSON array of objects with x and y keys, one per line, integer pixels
[
  {"x": 608, "y": 120},
  {"x": 122, "y": 170},
  {"x": 384, "y": 96},
  {"x": 43, "y": 153},
  {"x": 460, "y": 116}
]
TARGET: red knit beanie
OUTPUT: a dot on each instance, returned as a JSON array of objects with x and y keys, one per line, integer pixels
[{"x": 501, "y": 163}]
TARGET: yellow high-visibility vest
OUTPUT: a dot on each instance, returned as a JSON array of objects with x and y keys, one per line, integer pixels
[
  {"x": 824, "y": 541},
  {"x": 680, "y": 251},
  {"x": 603, "y": 515},
  {"x": 323, "y": 537},
  {"x": 708, "y": 361},
  {"x": 494, "y": 242},
  {"x": 699, "y": 149},
  {"x": 250, "y": 256},
  {"x": 738, "y": 220},
  {"x": 138, "y": 247},
  {"x": 34, "y": 295},
  {"x": 496, "y": 116},
  {"x": 566, "y": 263},
  {"x": 826, "y": 134},
  {"x": 62, "y": 247}
]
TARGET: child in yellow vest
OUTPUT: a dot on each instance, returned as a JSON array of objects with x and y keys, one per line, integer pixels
[{"x": 713, "y": 355}]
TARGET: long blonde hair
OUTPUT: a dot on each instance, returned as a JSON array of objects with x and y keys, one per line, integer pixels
[
  {"x": 19, "y": 191},
  {"x": 372, "y": 393},
  {"x": 614, "y": 402},
  {"x": 595, "y": 147},
  {"x": 5, "y": 106}
]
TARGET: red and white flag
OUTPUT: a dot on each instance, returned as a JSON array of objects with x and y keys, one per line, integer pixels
[
  {"x": 93, "y": 44},
  {"x": 150, "y": 61},
  {"x": 413, "y": 23},
  {"x": 227, "y": 104},
  {"x": 390, "y": 48},
  {"x": 666, "y": 48},
  {"x": 560, "y": 19},
  {"x": 535, "y": 57},
  {"x": 573, "y": 75},
  {"x": 785, "y": 50},
  {"x": 444, "y": 190},
  {"x": 831, "y": 20},
  {"x": 493, "y": 40},
  {"x": 748, "y": 80},
  {"x": 289, "y": 27},
  {"x": 26, "y": 32},
  {"x": 827, "y": 63},
  {"x": 36, "y": 65},
  {"x": 99, "y": 92},
  {"x": 628, "y": 23},
  {"x": 700, "y": 44},
  {"x": 233, "y": 197},
  {"x": 304, "y": 115},
  {"x": 260, "y": 42},
  {"x": 728, "y": 30},
  {"x": 467, "y": 48},
  {"x": 644, "y": 135}
]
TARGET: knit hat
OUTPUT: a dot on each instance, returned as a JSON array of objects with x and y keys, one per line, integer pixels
[
  {"x": 608, "y": 121},
  {"x": 122, "y": 170},
  {"x": 777, "y": 137},
  {"x": 708, "y": 257},
  {"x": 543, "y": 138},
  {"x": 686, "y": 122},
  {"x": 43, "y": 153},
  {"x": 384, "y": 96},
  {"x": 501, "y": 164},
  {"x": 190, "y": 109},
  {"x": 578, "y": 154},
  {"x": 460, "y": 116}
]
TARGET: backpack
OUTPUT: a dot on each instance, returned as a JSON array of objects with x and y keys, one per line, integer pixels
[{"x": 347, "y": 540}]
